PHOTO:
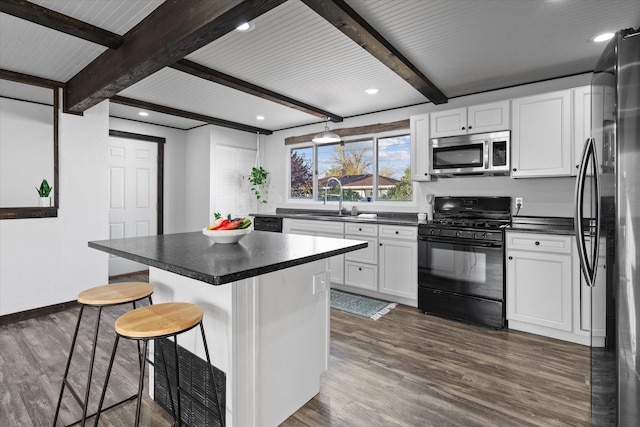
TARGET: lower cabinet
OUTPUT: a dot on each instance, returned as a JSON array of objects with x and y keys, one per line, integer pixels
[
  {"x": 387, "y": 268},
  {"x": 320, "y": 229},
  {"x": 545, "y": 291}
]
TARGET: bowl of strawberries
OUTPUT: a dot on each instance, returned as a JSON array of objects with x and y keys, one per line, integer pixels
[{"x": 227, "y": 229}]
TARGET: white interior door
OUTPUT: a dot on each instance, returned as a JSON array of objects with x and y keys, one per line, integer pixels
[{"x": 133, "y": 189}]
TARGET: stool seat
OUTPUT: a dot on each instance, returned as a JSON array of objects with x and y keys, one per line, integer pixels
[
  {"x": 159, "y": 320},
  {"x": 117, "y": 293}
]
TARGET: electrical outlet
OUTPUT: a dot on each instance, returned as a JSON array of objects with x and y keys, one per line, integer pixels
[
  {"x": 319, "y": 283},
  {"x": 519, "y": 202}
]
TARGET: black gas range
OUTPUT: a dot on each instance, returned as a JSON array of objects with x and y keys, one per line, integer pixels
[{"x": 461, "y": 271}]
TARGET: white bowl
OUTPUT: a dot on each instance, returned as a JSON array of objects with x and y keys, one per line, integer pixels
[{"x": 226, "y": 236}]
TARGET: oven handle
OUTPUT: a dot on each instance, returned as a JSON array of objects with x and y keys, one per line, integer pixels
[{"x": 461, "y": 241}]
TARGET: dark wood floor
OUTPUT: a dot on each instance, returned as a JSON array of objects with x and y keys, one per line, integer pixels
[{"x": 406, "y": 369}]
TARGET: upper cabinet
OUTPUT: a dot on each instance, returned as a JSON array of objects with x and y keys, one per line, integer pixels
[
  {"x": 420, "y": 147},
  {"x": 541, "y": 142},
  {"x": 477, "y": 119}
]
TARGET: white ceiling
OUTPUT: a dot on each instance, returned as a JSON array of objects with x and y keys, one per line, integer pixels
[{"x": 462, "y": 46}]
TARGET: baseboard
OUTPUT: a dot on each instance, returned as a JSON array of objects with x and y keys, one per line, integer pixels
[{"x": 36, "y": 312}]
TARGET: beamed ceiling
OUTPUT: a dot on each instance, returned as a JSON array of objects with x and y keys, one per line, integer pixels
[{"x": 183, "y": 62}]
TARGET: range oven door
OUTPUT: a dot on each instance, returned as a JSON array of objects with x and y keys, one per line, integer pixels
[{"x": 462, "y": 280}]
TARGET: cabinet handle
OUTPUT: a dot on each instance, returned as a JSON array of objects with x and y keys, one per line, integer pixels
[
  {"x": 462, "y": 127},
  {"x": 359, "y": 229},
  {"x": 510, "y": 257},
  {"x": 577, "y": 166},
  {"x": 397, "y": 232},
  {"x": 514, "y": 169},
  {"x": 470, "y": 127},
  {"x": 426, "y": 174},
  {"x": 380, "y": 244},
  {"x": 359, "y": 268},
  {"x": 537, "y": 243}
]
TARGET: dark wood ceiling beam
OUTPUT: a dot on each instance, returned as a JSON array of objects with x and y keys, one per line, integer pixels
[
  {"x": 206, "y": 73},
  {"x": 57, "y": 21},
  {"x": 187, "y": 115},
  {"x": 29, "y": 79},
  {"x": 169, "y": 33},
  {"x": 344, "y": 18}
]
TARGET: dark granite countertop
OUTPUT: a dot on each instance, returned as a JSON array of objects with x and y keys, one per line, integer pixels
[
  {"x": 194, "y": 255},
  {"x": 547, "y": 225},
  {"x": 390, "y": 218}
]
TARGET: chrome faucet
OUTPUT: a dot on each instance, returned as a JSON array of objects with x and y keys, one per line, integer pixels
[{"x": 341, "y": 193}]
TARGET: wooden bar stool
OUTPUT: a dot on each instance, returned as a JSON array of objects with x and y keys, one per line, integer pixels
[
  {"x": 153, "y": 322},
  {"x": 100, "y": 297}
]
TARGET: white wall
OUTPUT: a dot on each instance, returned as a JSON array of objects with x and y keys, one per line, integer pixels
[
  {"x": 175, "y": 149},
  {"x": 543, "y": 196},
  {"x": 46, "y": 261}
]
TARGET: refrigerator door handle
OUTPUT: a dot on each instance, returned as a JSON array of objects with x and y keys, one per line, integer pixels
[{"x": 588, "y": 270}]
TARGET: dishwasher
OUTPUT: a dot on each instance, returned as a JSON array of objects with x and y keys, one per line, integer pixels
[{"x": 267, "y": 223}]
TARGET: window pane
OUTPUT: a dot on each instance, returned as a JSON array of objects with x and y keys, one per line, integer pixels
[
  {"x": 352, "y": 164},
  {"x": 302, "y": 173},
  {"x": 394, "y": 168}
]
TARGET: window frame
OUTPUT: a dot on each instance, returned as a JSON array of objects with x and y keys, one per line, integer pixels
[{"x": 363, "y": 137}]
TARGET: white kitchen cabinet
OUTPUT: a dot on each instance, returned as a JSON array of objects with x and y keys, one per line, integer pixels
[
  {"x": 398, "y": 261},
  {"x": 420, "y": 147},
  {"x": 539, "y": 281},
  {"x": 321, "y": 229},
  {"x": 546, "y": 294},
  {"x": 541, "y": 143},
  {"x": 476, "y": 119},
  {"x": 591, "y": 300},
  {"x": 361, "y": 266}
]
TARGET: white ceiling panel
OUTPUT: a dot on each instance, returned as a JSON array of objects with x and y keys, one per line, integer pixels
[
  {"x": 299, "y": 54},
  {"x": 131, "y": 113},
  {"x": 117, "y": 16},
  {"x": 174, "y": 88},
  {"x": 32, "y": 49},
  {"x": 469, "y": 46}
]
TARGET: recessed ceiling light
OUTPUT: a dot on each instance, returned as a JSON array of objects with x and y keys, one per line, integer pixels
[
  {"x": 602, "y": 37},
  {"x": 143, "y": 113},
  {"x": 372, "y": 91},
  {"x": 245, "y": 27},
  {"x": 260, "y": 117}
]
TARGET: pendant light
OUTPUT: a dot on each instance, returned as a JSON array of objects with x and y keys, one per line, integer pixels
[{"x": 326, "y": 136}]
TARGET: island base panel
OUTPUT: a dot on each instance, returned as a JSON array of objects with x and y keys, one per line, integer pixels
[{"x": 269, "y": 334}]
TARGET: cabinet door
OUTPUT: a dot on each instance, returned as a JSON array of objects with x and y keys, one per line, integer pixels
[
  {"x": 590, "y": 308},
  {"x": 489, "y": 117},
  {"x": 398, "y": 267},
  {"x": 420, "y": 148},
  {"x": 449, "y": 123},
  {"x": 582, "y": 99},
  {"x": 539, "y": 288},
  {"x": 336, "y": 263},
  {"x": 541, "y": 135}
]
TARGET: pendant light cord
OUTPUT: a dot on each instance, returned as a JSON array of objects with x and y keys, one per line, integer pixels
[{"x": 257, "y": 165}]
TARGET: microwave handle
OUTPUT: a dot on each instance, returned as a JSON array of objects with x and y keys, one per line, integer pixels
[{"x": 486, "y": 153}]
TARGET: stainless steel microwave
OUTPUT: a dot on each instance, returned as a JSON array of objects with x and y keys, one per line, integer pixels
[{"x": 477, "y": 154}]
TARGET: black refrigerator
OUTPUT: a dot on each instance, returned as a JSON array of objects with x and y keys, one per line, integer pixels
[{"x": 608, "y": 228}]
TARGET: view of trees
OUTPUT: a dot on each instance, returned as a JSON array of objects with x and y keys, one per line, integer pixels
[{"x": 352, "y": 160}]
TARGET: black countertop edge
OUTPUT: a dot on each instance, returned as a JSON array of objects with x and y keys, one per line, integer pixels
[
  {"x": 389, "y": 218},
  {"x": 221, "y": 279},
  {"x": 542, "y": 224}
]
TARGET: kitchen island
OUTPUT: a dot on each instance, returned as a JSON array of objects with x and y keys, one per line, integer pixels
[{"x": 266, "y": 305}]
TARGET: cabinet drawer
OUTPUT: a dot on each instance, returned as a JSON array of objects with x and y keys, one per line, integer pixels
[
  {"x": 361, "y": 229},
  {"x": 398, "y": 232},
  {"x": 539, "y": 242},
  {"x": 361, "y": 275},
  {"x": 368, "y": 254},
  {"x": 307, "y": 226}
]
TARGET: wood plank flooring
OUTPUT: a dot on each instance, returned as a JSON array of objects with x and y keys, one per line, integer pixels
[{"x": 406, "y": 369}]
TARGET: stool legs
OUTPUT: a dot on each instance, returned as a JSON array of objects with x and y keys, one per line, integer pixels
[
  {"x": 66, "y": 371},
  {"x": 143, "y": 360}
]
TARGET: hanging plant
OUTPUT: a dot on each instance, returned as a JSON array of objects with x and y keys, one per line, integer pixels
[{"x": 258, "y": 180}]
